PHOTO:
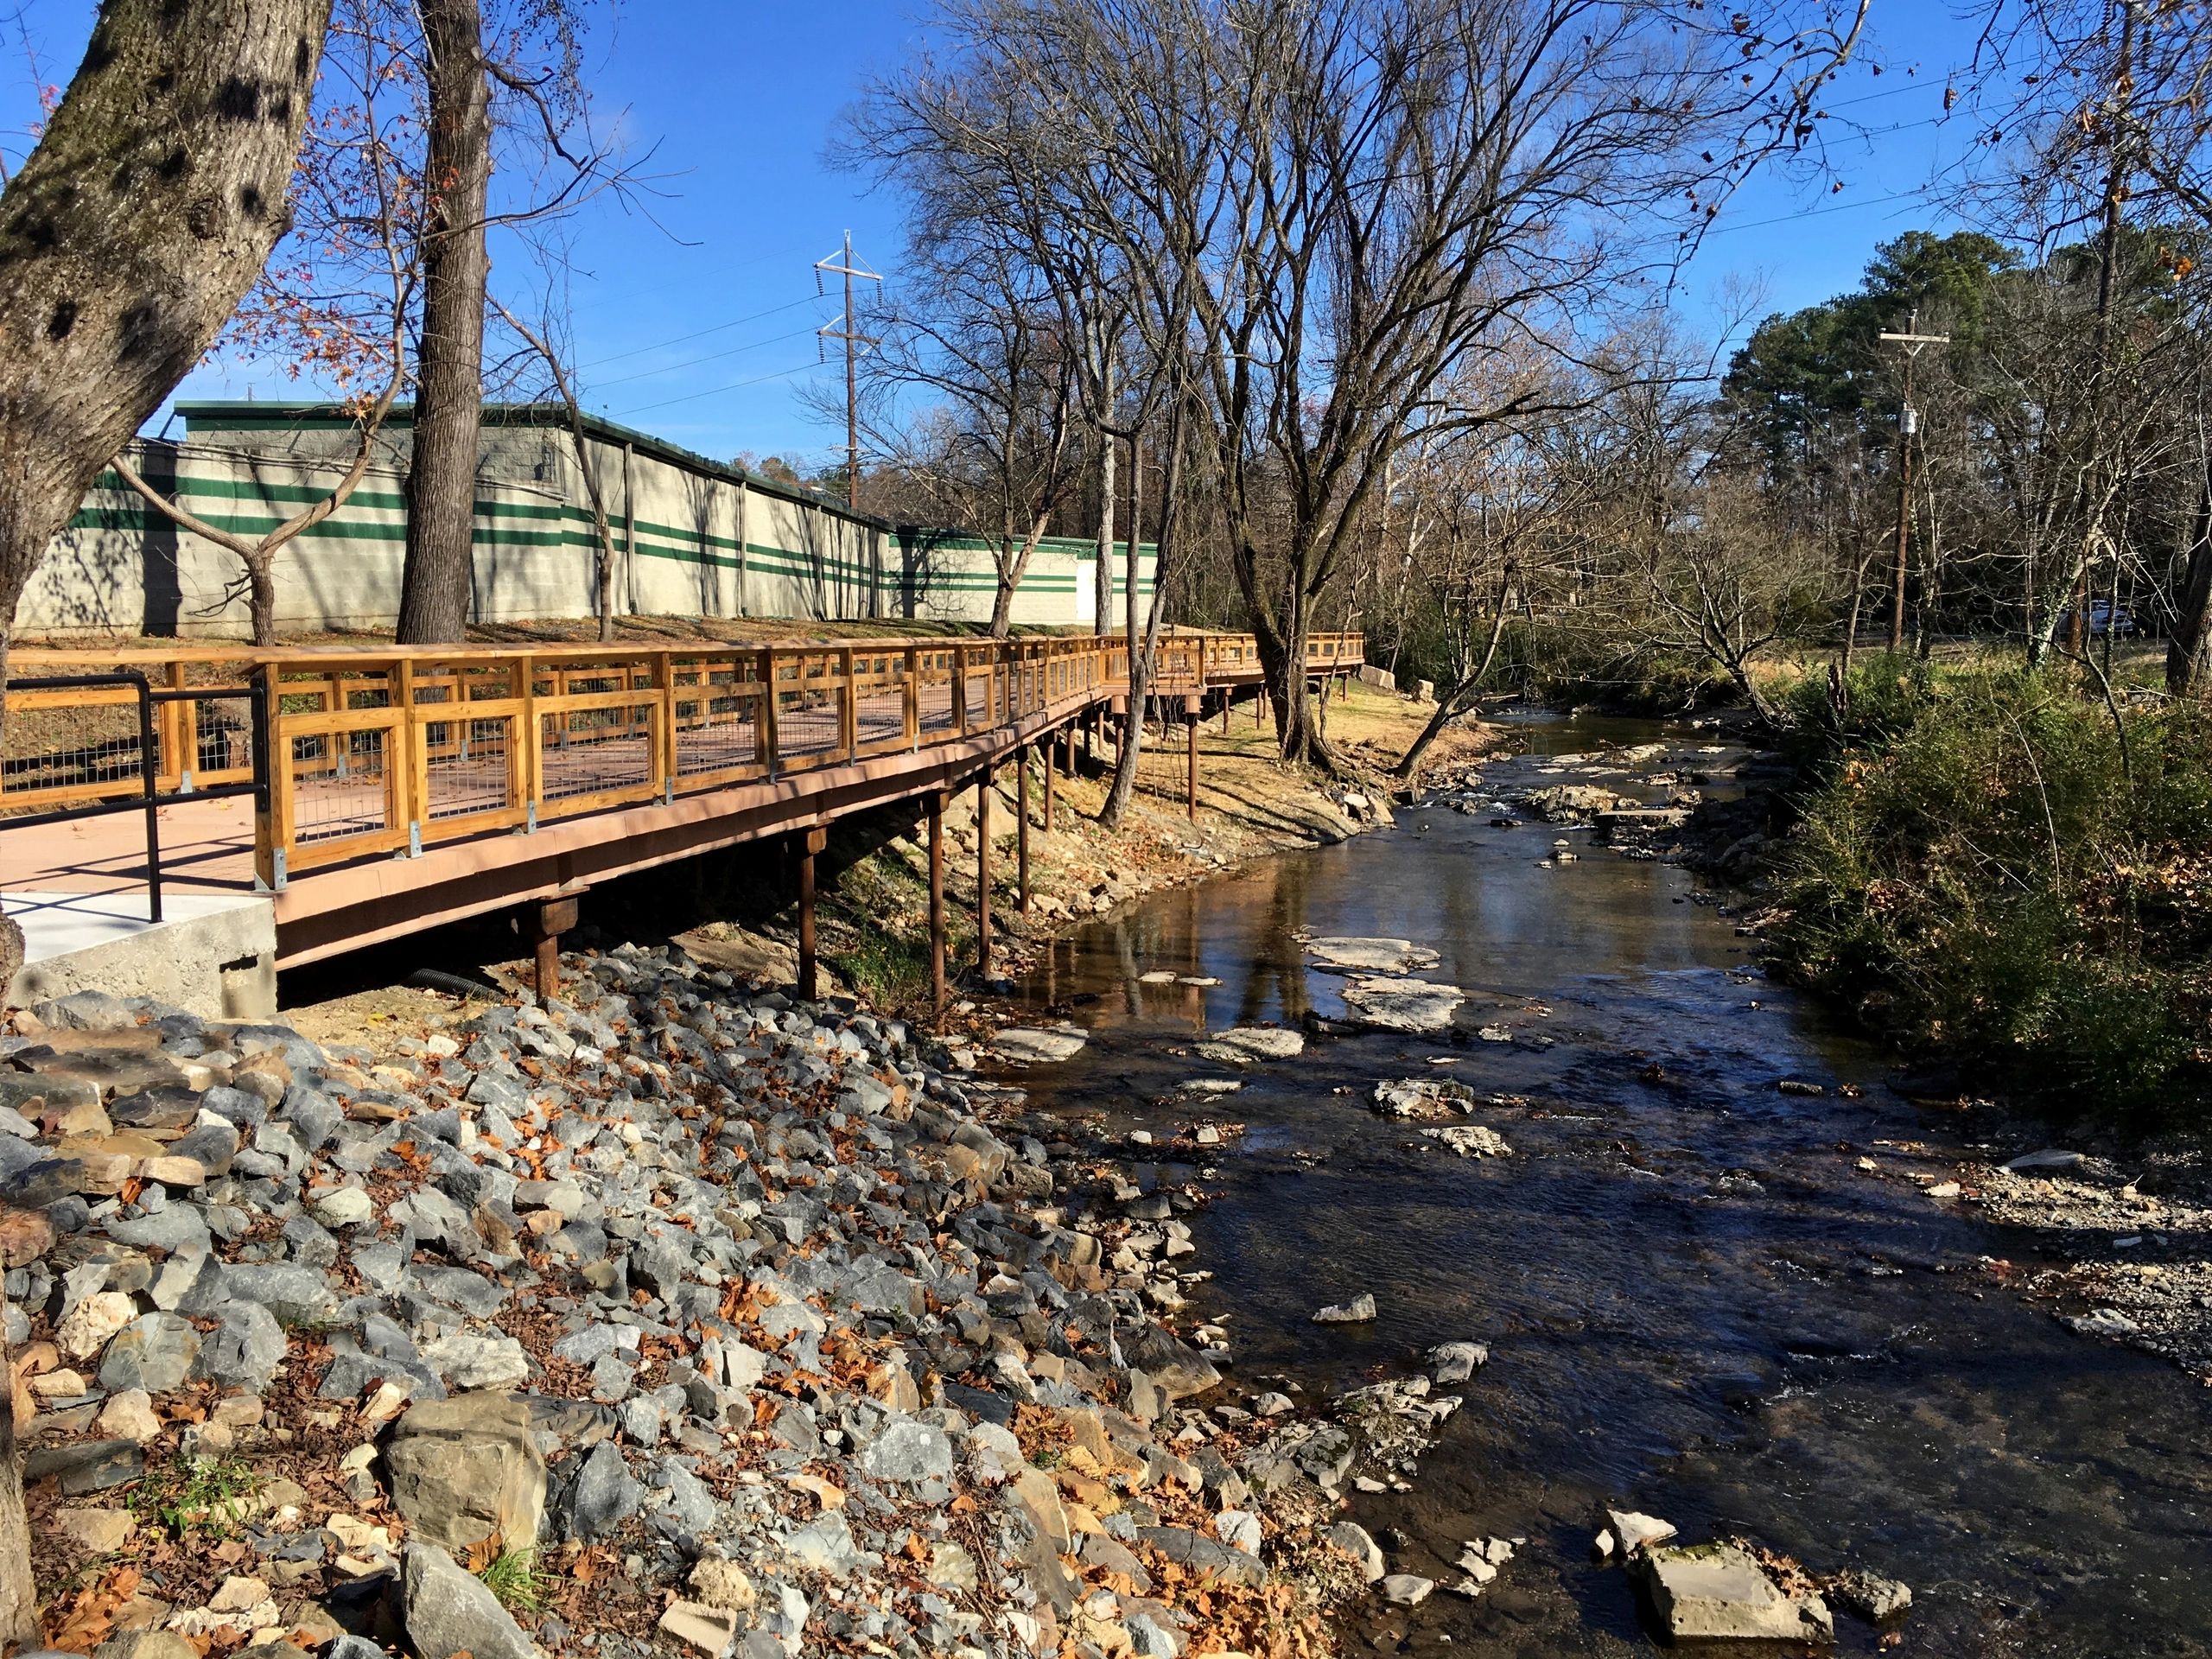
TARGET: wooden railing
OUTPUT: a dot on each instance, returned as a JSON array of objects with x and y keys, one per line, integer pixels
[{"x": 395, "y": 749}]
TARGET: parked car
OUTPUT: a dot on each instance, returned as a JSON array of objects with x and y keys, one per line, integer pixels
[{"x": 2105, "y": 617}]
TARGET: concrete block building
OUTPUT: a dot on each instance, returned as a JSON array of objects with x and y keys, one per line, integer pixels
[{"x": 693, "y": 536}]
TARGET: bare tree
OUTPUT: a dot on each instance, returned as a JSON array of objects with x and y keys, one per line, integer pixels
[
  {"x": 342, "y": 315},
  {"x": 188, "y": 120},
  {"x": 997, "y": 452}
]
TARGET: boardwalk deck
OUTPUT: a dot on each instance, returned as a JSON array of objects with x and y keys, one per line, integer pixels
[{"x": 407, "y": 788}]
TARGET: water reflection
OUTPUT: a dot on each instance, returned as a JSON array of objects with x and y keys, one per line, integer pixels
[{"x": 1692, "y": 1299}]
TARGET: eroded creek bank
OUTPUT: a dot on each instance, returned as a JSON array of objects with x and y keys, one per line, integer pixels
[{"x": 1696, "y": 1303}]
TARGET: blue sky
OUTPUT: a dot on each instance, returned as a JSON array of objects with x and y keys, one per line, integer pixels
[{"x": 699, "y": 327}]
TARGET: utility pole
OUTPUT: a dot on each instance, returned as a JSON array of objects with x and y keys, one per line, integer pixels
[
  {"x": 1908, "y": 423},
  {"x": 850, "y": 334}
]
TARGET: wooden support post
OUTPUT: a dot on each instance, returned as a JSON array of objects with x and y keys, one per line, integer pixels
[
  {"x": 1260, "y": 709},
  {"x": 811, "y": 841},
  {"x": 1191, "y": 724},
  {"x": 1022, "y": 826},
  {"x": 936, "y": 903},
  {"x": 546, "y": 921},
  {"x": 1052, "y": 740},
  {"x": 983, "y": 875},
  {"x": 1227, "y": 697}
]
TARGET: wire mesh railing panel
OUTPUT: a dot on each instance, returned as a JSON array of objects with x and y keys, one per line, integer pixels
[
  {"x": 717, "y": 726},
  {"x": 596, "y": 750},
  {"x": 471, "y": 765},
  {"x": 340, "y": 784},
  {"x": 809, "y": 722},
  {"x": 85, "y": 748},
  {"x": 933, "y": 698},
  {"x": 880, "y": 711}
]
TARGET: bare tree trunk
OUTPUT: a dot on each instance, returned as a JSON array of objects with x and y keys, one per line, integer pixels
[
  {"x": 1141, "y": 653},
  {"x": 2189, "y": 653},
  {"x": 261, "y": 583},
  {"x": 1102, "y": 578},
  {"x": 449, "y": 399},
  {"x": 153, "y": 198},
  {"x": 1461, "y": 696}
]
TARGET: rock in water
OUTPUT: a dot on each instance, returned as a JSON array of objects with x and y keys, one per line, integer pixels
[
  {"x": 1633, "y": 1531},
  {"x": 1470, "y": 1140},
  {"x": 1406, "y": 1589},
  {"x": 1717, "y": 1593},
  {"x": 450, "y": 1612},
  {"x": 1345, "y": 956},
  {"x": 1243, "y": 1045},
  {"x": 1455, "y": 1362},
  {"x": 1422, "y": 1098},
  {"x": 1034, "y": 1046},
  {"x": 1358, "y": 1311},
  {"x": 1402, "y": 1004},
  {"x": 1869, "y": 1595}
]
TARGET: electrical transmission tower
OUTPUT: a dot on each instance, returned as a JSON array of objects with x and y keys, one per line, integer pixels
[{"x": 846, "y": 266}]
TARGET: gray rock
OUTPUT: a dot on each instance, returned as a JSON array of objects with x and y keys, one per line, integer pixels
[
  {"x": 1406, "y": 1589},
  {"x": 1394, "y": 1004},
  {"x": 1869, "y": 1596},
  {"x": 244, "y": 1351},
  {"x": 1354, "y": 1540},
  {"x": 825, "y": 1545},
  {"x": 155, "y": 1352},
  {"x": 296, "y": 1295},
  {"x": 603, "y": 1495},
  {"x": 689, "y": 1506},
  {"x": 85, "y": 1011},
  {"x": 909, "y": 1450},
  {"x": 450, "y": 1611},
  {"x": 177, "y": 1227},
  {"x": 1348, "y": 956}
]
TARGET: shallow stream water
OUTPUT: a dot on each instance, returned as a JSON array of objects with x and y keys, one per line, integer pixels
[{"x": 1695, "y": 1305}]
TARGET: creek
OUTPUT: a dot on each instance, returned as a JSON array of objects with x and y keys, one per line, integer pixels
[{"x": 1695, "y": 1304}]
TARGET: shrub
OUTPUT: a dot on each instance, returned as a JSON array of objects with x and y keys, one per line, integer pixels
[{"x": 1987, "y": 868}]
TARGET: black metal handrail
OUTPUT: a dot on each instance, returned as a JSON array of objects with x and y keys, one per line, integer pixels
[{"x": 150, "y": 799}]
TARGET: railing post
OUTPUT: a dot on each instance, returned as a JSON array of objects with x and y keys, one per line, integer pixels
[
  {"x": 849, "y": 726},
  {"x": 272, "y": 815},
  {"x": 665, "y": 665},
  {"x": 150, "y": 782},
  {"x": 180, "y": 735},
  {"x": 912, "y": 703},
  {"x": 960, "y": 690},
  {"x": 530, "y": 751},
  {"x": 770, "y": 748},
  {"x": 412, "y": 776}
]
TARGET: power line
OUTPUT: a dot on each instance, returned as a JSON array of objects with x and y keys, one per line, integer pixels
[
  {"x": 694, "y": 362},
  {"x": 716, "y": 392},
  {"x": 735, "y": 322}
]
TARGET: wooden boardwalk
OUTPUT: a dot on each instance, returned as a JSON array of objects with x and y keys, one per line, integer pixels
[{"x": 407, "y": 787}]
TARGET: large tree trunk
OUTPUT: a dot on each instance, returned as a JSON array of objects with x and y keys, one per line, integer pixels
[
  {"x": 2189, "y": 653},
  {"x": 152, "y": 201},
  {"x": 149, "y": 205},
  {"x": 449, "y": 401}
]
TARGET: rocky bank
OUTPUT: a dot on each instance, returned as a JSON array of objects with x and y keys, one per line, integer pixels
[{"x": 664, "y": 1316}]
